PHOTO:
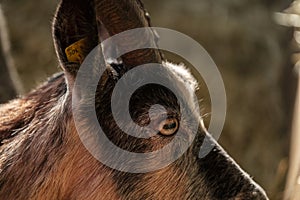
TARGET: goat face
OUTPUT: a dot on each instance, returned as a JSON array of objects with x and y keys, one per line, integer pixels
[{"x": 70, "y": 171}]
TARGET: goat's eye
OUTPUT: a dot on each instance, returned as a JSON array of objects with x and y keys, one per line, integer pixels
[{"x": 168, "y": 127}]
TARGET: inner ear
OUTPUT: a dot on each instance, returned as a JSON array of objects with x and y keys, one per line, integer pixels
[{"x": 75, "y": 33}]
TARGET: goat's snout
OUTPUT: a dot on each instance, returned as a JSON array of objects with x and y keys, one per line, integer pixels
[{"x": 256, "y": 194}]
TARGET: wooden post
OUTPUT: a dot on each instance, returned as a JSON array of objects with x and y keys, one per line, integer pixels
[
  {"x": 10, "y": 85},
  {"x": 292, "y": 191},
  {"x": 291, "y": 17}
]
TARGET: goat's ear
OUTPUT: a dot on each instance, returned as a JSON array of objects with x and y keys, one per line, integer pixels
[{"x": 75, "y": 34}]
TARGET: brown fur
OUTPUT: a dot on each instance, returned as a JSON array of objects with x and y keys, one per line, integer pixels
[
  {"x": 77, "y": 171},
  {"x": 42, "y": 157}
]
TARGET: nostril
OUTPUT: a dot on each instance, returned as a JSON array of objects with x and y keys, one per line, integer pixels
[
  {"x": 257, "y": 194},
  {"x": 253, "y": 196}
]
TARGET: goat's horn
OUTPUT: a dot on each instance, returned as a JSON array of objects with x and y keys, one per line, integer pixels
[{"x": 122, "y": 15}]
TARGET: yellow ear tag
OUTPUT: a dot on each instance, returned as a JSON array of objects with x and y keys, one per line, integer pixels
[{"x": 75, "y": 52}]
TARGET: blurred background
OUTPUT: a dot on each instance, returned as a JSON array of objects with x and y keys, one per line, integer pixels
[{"x": 252, "y": 52}]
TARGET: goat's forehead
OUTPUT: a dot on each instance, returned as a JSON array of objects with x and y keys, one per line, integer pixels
[
  {"x": 176, "y": 92},
  {"x": 182, "y": 73},
  {"x": 174, "y": 78}
]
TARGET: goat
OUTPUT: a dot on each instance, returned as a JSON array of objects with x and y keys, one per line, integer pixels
[{"x": 41, "y": 153}]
